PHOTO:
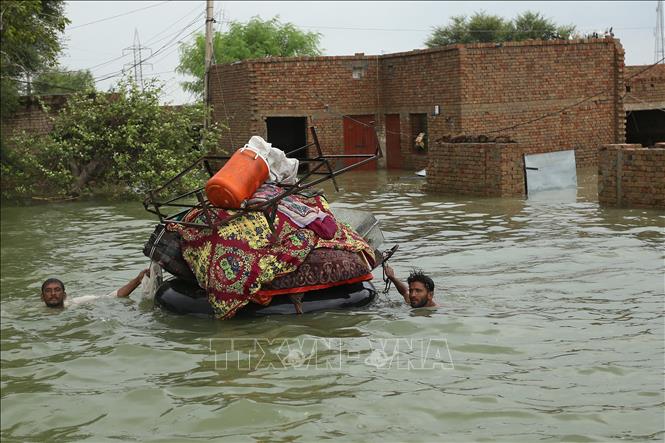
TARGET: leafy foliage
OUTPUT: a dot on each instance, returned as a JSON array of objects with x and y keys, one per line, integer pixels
[
  {"x": 123, "y": 142},
  {"x": 30, "y": 31},
  {"x": 61, "y": 81},
  {"x": 483, "y": 27},
  {"x": 254, "y": 39},
  {"x": 532, "y": 25}
]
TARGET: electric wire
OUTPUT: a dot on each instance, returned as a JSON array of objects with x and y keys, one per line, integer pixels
[
  {"x": 116, "y": 16},
  {"x": 150, "y": 41},
  {"x": 221, "y": 89},
  {"x": 565, "y": 108},
  {"x": 328, "y": 108},
  {"x": 166, "y": 45}
]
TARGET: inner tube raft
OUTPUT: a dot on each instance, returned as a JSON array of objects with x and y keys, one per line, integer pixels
[{"x": 183, "y": 297}]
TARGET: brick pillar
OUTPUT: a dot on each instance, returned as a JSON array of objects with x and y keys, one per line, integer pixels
[
  {"x": 619, "y": 90},
  {"x": 631, "y": 176}
]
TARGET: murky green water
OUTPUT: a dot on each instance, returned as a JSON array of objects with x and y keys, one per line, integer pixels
[{"x": 551, "y": 328}]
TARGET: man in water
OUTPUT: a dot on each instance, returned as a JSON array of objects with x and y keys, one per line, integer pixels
[
  {"x": 420, "y": 290},
  {"x": 54, "y": 295}
]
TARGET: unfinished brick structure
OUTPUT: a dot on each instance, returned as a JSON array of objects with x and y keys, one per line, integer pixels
[
  {"x": 631, "y": 176},
  {"x": 516, "y": 89},
  {"x": 482, "y": 169}
]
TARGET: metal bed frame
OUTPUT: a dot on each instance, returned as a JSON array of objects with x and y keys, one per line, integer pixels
[{"x": 319, "y": 166}]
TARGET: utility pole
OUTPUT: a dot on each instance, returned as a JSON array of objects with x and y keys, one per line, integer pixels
[
  {"x": 208, "y": 61},
  {"x": 660, "y": 34},
  {"x": 138, "y": 58}
]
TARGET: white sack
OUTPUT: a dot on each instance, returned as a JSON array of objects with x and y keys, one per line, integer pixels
[{"x": 281, "y": 169}]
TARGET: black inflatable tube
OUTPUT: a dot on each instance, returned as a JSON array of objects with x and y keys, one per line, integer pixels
[{"x": 182, "y": 297}]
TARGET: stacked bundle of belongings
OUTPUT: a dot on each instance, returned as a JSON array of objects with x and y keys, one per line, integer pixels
[{"x": 245, "y": 261}]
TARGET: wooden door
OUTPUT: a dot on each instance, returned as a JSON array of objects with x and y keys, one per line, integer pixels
[
  {"x": 394, "y": 158},
  {"x": 360, "y": 138}
]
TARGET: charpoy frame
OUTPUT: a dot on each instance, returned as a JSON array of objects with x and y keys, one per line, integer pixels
[{"x": 318, "y": 166}]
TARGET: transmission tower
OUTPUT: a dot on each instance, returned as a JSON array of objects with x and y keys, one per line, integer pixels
[
  {"x": 137, "y": 51},
  {"x": 660, "y": 34}
]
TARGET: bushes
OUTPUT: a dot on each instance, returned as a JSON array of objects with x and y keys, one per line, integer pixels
[{"x": 124, "y": 142}]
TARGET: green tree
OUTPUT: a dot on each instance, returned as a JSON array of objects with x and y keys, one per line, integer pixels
[
  {"x": 123, "y": 142},
  {"x": 533, "y": 25},
  {"x": 254, "y": 39},
  {"x": 480, "y": 27},
  {"x": 30, "y": 32},
  {"x": 61, "y": 81},
  {"x": 483, "y": 27}
]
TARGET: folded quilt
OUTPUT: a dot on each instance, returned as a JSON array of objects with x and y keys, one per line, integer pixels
[{"x": 234, "y": 261}]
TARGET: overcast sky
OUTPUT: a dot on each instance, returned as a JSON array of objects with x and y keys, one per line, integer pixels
[{"x": 98, "y": 40}]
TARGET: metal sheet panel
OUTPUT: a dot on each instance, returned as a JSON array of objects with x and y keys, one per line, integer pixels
[{"x": 552, "y": 170}]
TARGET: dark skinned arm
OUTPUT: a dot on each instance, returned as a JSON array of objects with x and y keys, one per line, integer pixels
[
  {"x": 131, "y": 285},
  {"x": 401, "y": 287}
]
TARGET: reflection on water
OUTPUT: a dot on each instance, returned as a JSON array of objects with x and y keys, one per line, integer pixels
[{"x": 551, "y": 327}]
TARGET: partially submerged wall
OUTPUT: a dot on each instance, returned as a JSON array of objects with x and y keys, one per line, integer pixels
[
  {"x": 547, "y": 95},
  {"x": 322, "y": 89},
  {"x": 631, "y": 176},
  {"x": 483, "y": 169}
]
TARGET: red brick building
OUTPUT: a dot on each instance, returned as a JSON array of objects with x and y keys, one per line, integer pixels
[{"x": 546, "y": 95}]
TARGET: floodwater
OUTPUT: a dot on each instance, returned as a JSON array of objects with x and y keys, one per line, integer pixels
[{"x": 550, "y": 329}]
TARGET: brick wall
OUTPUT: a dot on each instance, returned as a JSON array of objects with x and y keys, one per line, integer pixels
[
  {"x": 31, "y": 117},
  {"x": 483, "y": 169},
  {"x": 506, "y": 85},
  {"x": 645, "y": 87},
  {"x": 631, "y": 176}
]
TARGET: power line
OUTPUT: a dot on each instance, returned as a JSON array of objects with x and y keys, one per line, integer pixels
[
  {"x": 115, "y": 74},
  {"x": 471, "y": 31},
  {"x": 643, "y": 101},
  {"x": 116, "y": 16},
  {"x": 329, "y": 108},
  {"x": 219, "y": 81},
  {"x": 169, "y": 27},
  {"x": 549, "y": 114},
  {"x": 92, "y": 68},
  {"x": 136, "y": 49}
]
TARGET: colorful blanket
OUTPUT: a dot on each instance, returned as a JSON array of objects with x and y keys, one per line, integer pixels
[{"x": 232, "y": 262}]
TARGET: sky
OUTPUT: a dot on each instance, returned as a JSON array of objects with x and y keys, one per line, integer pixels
[{"x": 102, "y": 33}]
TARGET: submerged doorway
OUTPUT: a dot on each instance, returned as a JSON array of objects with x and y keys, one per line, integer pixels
[{"x": 359, "y": 138}]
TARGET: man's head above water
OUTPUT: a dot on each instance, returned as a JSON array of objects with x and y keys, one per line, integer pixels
[
  {"x": 53, "y": 293},
  {"x": 419, "y": 292},
  {"x": 421, "y": 289}
]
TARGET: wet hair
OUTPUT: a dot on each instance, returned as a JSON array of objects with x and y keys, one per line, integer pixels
[
  {"x": 48, "y": 281},
  {"x": 419, "y": 276}
]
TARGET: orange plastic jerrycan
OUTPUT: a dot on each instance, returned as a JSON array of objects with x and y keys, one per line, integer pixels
[{"x": 237, "y": 180}]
